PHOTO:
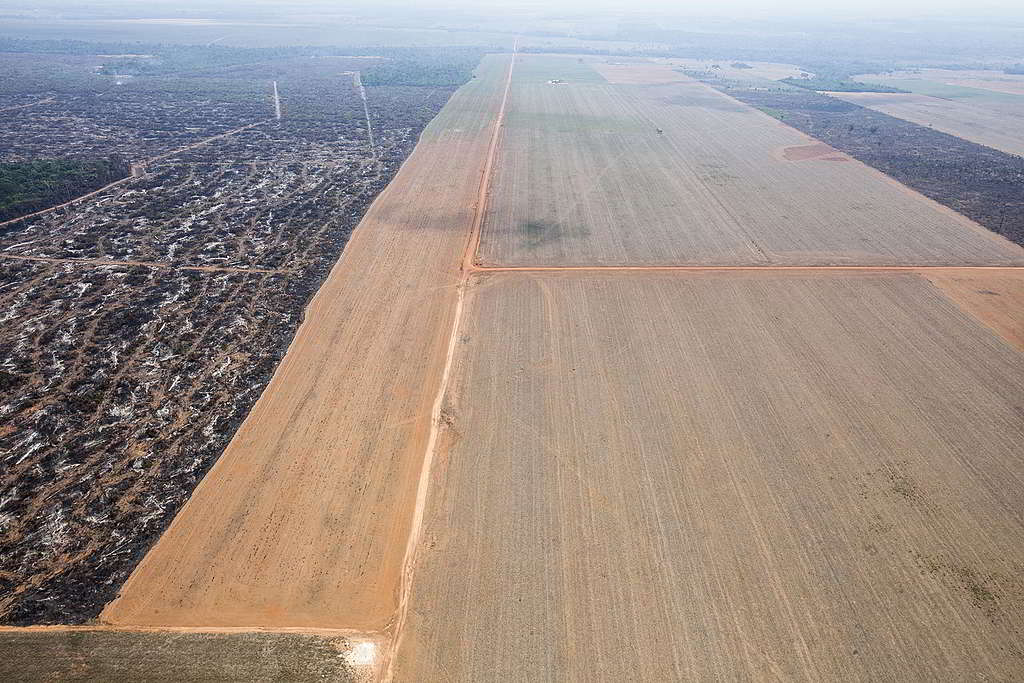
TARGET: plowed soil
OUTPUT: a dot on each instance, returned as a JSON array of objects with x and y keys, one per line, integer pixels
[
  {"x": 732, "y": 476},
  {"x": 623, "y": 174}
]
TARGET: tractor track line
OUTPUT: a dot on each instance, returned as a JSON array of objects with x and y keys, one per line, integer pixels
[
  {"x": 753, "y": 269},
  {"x": 466, "y": 269}
]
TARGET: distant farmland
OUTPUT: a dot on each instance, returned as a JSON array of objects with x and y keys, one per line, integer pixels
[
  {"x": 1000, "y": 129},
  {"x": 675, "y": 173}
]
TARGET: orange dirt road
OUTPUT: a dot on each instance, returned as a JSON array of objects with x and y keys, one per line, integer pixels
[{"x": 304, "y": 521}]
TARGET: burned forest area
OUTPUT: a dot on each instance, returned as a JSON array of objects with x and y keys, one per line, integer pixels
[
  {"x": 141, "y": 322},
  {"x": 982, "y": 183}
]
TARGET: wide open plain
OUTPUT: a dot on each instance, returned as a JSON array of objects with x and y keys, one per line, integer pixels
[
  {"x": 304, "y": 519},
  {"x": 999, "y": 129},
  {"x": 723, "y": 476},
  {"x": 586, "y": 178}
]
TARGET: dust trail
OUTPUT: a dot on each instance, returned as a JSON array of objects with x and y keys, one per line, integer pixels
[{"x": 436, "y": 419}]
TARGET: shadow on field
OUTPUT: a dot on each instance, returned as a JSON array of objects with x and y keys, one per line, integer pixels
[{"x": 537, "y": 234}]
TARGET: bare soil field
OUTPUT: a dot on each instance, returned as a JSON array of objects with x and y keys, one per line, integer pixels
[
  {"x": 996, "y": 298},
  {"x": 731, "y": 476},
  {"x": 304, "y": 519},
  {"x": 604, "y": 174},
  {"x": 1003, "y": 130},
  {"x": 106, "y": 655}
]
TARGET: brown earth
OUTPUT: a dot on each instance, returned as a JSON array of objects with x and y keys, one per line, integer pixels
[
  {"x": 303, "y": 521},
  {"x": 996, "y": 298},
  {"x": 815, "y": 150},
  {"x": 722, "y": 476}
]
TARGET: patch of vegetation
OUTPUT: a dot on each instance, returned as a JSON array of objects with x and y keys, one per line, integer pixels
[
  {"x": 31, "y": 186},
  {"x": 1015, "y": 69},
  {"x": 774, "y": 113},
  {"x": 836, "y": 85},
  {"x": 741, "y": 65}
]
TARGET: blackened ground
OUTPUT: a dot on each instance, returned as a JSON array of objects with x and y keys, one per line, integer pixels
[{"x": 88, "y": 655}]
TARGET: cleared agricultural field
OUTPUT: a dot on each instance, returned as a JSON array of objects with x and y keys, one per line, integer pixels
[
  {"x": 722, "y": 476},
  {"x": 1002, "y": 130},
  {"x": 304, "y": 519},
  {"x": 86, "y": 654},
  {"x": 586, "y": 178}
]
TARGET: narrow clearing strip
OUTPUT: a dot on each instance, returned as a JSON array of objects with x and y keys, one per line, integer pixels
[{"x": 409, "y": 563}]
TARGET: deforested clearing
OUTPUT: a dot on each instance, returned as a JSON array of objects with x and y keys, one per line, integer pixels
[
  {"x": 595, "y": 173},
  {"x": 304, "y": 519},
  {"x": 967, "y": 119},
  {"x": 665, "y": 476}
]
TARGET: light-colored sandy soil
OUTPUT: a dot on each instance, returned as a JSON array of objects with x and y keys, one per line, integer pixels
[
  {"x": 303, "y": 521},
  {"x": 996, "y": 298},
  {"x": 723, "y": 477},
  {"x": 636, "y": 73},
  {"x": 586, "y": 178},
  {"x": 1002, "y": 130}
]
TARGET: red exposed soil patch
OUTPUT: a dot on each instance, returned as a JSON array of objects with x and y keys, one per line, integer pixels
[{"x": 817, "y": 150}]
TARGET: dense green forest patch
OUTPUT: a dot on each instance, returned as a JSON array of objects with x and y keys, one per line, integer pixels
[{"x": 36, "y": 185}]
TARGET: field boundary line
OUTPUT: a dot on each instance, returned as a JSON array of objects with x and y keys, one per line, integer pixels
[
  {"x": 850, "y": 268},
  {"x": 409, "y": 562},
  {"x": 98, "y": 262},
  {"x": 51, "y": 628}
]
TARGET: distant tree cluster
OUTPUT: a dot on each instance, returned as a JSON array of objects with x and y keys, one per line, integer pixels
[
  {"x": 1015, "y": 69},
  {"x": 31, "y": 186},
  {"x": 838, "y": 85}
]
